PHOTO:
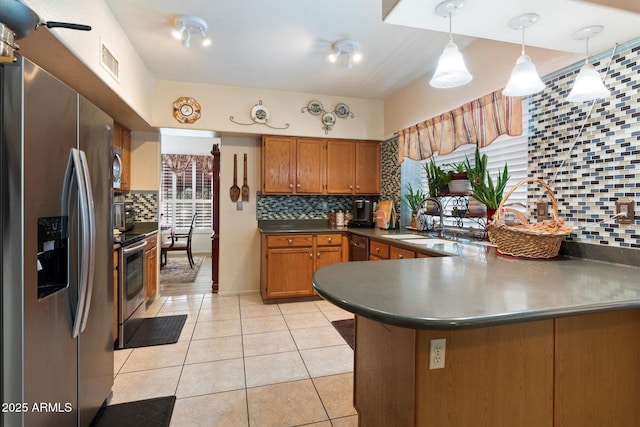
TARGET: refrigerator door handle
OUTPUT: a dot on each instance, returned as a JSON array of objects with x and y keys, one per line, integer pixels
[
  {"x": 75, "y": 180},
  {"x": 89, "y": 225}
]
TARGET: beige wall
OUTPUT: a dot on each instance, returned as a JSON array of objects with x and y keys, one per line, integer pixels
[
  {"x": 145, "y": 161},
  {"x": 239, "y": 236},
  {"x": 218, "y": 103},
  {"x": 489, "y": 62}
]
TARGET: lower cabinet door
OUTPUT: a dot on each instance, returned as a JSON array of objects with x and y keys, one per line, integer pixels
[{"x": 289, "y": 272}]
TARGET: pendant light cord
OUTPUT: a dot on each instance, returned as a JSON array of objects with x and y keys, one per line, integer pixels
[{"x": 584, "y": 122}]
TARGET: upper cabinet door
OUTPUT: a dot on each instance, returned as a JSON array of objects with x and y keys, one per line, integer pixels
[
  {"x": 368, "y": 167},
  {"x": 278, "y": 164},
  {"x": 340, "y": 167},
  {"x": 310, "y": 166}
]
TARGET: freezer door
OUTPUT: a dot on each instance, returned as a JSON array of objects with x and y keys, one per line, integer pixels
[
  {"x": 96, "y": 340},
  {"x": 50, "y": 352}
]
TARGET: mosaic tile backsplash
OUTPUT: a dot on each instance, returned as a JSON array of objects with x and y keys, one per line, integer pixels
[
  {"x": 270, "y": 207},
  {"x": 145, "y": 204},
  {"x": 590, "y": 156}
]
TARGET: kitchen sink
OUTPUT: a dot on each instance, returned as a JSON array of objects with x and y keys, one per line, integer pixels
[
  {"x": 429, "y": 241},
  {"x": 402, "y": 236}
]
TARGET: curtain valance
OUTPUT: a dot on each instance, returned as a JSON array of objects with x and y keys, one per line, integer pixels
[
  {"x": 479, "y": 122},
  {"x": 178, "y": 163}
]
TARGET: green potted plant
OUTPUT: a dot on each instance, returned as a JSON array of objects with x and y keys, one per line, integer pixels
[
  {"x": 483, "y": 187},
  {"x": 412, "y": 200},
  {"x": 459, "y": 183},
  {"x": 437, "y": 177}
]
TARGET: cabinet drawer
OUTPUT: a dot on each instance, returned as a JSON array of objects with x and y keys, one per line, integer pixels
[
  {"x": 399, "y": 253},
  {"x": 379, "y": 249},
  {"x": 289, "y": 241},
  {"x": 329, "y": 239},
  {"x": 152, "y": 241}
]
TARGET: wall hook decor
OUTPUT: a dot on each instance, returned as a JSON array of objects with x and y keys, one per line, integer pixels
[
  {"x": 328, "y": 117},
  {"x": 260, "y": 115}
]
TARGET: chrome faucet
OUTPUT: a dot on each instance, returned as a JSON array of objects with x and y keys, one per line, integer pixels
[{"x": 438, "y": 203}]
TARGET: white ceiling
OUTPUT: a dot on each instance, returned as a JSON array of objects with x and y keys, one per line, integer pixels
[{"x": 283, "y": 44}]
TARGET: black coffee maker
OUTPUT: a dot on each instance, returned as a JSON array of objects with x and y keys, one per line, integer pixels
[{"x": 362, "y": 214}]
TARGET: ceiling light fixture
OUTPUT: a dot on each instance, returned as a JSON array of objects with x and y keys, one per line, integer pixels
[
  {"x": 451, "y": 71},
  {"x": 186, "y": 25},
  {"x": 588, "y": 85},
  {"x": 347, "y": 47},
  {"x": 524, "y": 78}
]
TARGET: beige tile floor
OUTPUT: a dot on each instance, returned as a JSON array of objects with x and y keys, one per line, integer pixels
[{"x": 239, "y": 362}]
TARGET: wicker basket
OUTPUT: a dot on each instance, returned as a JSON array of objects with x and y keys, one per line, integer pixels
[{"x": 521, "y": 241}]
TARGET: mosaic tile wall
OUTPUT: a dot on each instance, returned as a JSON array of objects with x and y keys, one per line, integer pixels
[
  {"x": 145, "y": 204},
  {"x": 270, "y": 207},
  {"x": 390, "y": 172},
  {"x": 604, "y": 164}
]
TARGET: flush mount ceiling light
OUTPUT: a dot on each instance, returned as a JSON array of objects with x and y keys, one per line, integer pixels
[
  {"x": 588, "y": 85},
  {"x": 524, "y": 78},
  {"x": 451, "y": 71},
  {"x": 186, "y": 25},
  {"x": 348, "y": 48}
]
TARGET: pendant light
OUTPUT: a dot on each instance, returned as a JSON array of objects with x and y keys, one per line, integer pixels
[
  {"x": 451, "y": 71},
  {"x": 524, "y": 78},
  {"x": 588, "y": 85}
]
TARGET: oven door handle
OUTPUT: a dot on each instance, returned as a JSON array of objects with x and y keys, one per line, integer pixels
[{"x": 129, "y": 249}]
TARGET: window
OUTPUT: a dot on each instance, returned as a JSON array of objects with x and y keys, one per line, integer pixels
[
  {"x": 505, "y": 149},
  {"x": 186, "y": 193}
]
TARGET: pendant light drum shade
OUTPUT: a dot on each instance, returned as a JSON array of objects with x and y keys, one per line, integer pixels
[{"x": 451, "y": 70}]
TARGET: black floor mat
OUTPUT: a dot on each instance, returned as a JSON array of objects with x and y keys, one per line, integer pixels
[
  {"x": 157, "y": 331},
  {"x": 148, "y": 413},
  {"x": 346, "y": 328}
]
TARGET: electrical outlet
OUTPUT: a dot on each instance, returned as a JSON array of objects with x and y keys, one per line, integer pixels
[
  {"x": 542, "y": 210},
  {"x": 625, "y": 207},
  {"x": 436, "y": 353},
  {"x": 238, "y": 205}
]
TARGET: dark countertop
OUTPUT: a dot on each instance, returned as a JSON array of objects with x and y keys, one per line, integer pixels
[
  {"x": 140, "y": 230},
  {"x": 476, "y": 290}
]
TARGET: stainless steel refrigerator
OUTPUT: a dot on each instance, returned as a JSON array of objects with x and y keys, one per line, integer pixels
[{"x": 57, "y": 264}]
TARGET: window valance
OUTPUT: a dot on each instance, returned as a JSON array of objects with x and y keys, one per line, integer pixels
[
  {"x": 479, "y": 122},
  {"x": 178, "y": 163}
]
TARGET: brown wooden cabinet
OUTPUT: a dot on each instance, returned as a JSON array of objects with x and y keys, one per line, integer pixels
[
  {"x": 378, "y": 250},
  {"x": 151, "y": 260},
  {"x": 400, "y": 253},
  {"x": 122, "y": 143},
  {"x": 289, "y": 261},
  {"x": 293, "y": 165}
]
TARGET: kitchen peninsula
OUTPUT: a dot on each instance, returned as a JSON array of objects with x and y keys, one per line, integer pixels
[{"x": 528, "y": 342}]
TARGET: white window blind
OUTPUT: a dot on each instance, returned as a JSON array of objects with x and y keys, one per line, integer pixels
[
  {"x": 185, "y": 194},
  {"x": 505, "y": 149}
]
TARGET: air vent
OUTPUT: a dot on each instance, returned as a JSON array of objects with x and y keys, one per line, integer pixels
[{"x": 109, "y": 61}]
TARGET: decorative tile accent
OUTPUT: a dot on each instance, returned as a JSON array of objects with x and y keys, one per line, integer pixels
[
  {"x": 590, "y": 171},
  {"x": 300, "y": 207},
  {"x": 145, "y": 204},
  {"x": 390, "y": 172}
]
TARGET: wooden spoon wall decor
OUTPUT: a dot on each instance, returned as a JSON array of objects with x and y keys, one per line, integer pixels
[
  {"x": 234, "y": 192},
  {"x": 245, "y": 187}
]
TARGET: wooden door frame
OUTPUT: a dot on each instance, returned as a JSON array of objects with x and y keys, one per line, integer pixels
[{"x": 215, "y": 223}]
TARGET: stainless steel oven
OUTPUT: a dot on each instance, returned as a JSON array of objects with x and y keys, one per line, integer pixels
[{"x": 131, "y": 290}]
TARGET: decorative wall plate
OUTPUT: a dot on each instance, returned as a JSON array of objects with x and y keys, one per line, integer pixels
[
  {"x": 315, "y": 107},
  {"x": 186, "y": 110},
  {"x": 260, "y": 114},
  {"x": 342, "y": 111},
  {"x": 328, "y": 119}
]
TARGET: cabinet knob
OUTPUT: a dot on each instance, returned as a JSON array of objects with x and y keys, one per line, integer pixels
[
  {"x": 298, "y": 185},
  {"x": 290, "y": 241},
  {"x": 329, "y": 239},
  {"x": 400, "y": 256},
  {"x": 318, "y": 254},
  {"x": 290, "y": 185},
  {"x": 351, "y": 187},
  {"x": 357, "y": 187},
  {"x": 310, "y": 255},
  {"x": 377, "y": 249}
]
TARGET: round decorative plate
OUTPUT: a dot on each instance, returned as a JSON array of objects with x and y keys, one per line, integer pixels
[
  {"x": 260, "y": 114},
  {"x": 315, "y": 107},
  {"x": 342, "y": 111},
  {"x": 328, "y": 119},
  {"x": 186, "y": 110}
]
